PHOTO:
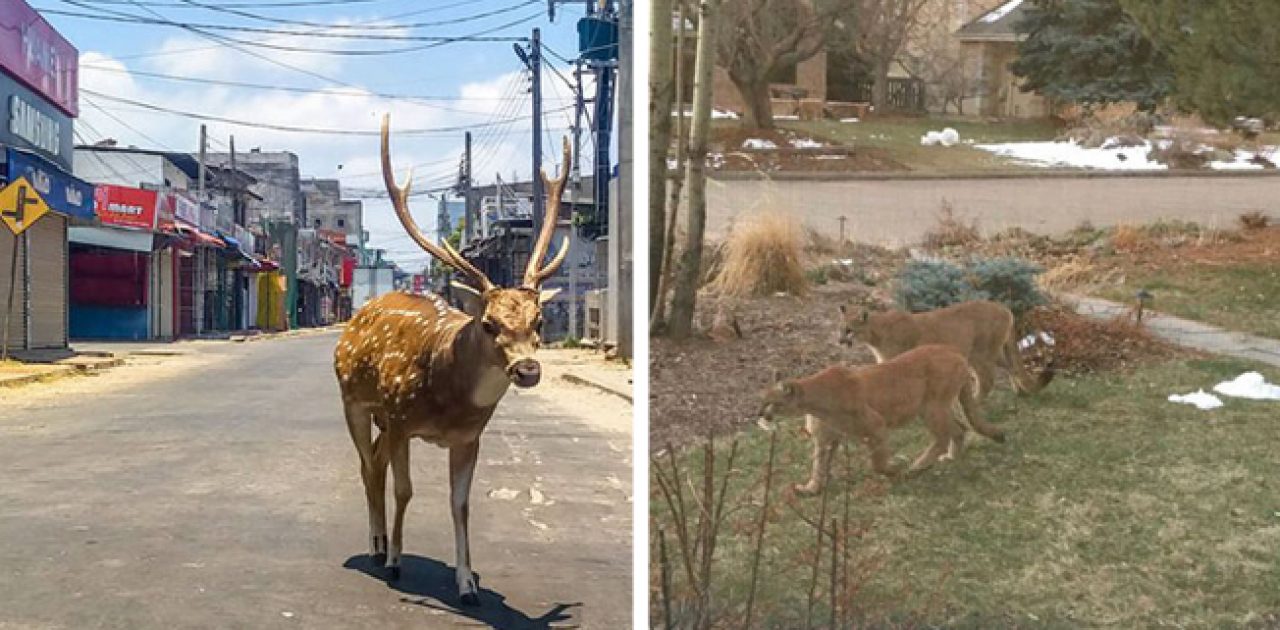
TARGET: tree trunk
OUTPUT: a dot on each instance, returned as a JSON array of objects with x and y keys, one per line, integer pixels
[
  {"x": 658, "y": 307},
  {"x": 660, "y": 98},
  {"x": 689, "y": 272},
  {"x": 880, "y": 90},
  {"x": 758, "y": 106}
]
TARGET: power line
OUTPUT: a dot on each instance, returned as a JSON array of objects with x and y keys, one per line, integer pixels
[
  {"x": 286, "y": 128},
  {"x": 248, "y": 5},
  {"x": 370, "y": 27}
]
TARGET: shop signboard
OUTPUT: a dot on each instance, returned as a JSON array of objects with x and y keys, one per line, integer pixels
[
  {"x": 38, "y": 56},
  {"x": 27, "y": 121},
  {"x": 64, "y": 193},
  {"x": 122, "y": 206}
]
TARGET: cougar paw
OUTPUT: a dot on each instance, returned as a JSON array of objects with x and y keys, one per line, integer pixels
[{"x": 805, "y": 489}]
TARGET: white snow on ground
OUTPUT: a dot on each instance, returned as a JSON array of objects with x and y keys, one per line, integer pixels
[
  {"x": 849, "y": 120},
  {"x": 758, "y": 143},
  {"x": 715, "y": 114},
  {"x": 806, "y": 143},
  {"x": 998, "y": 14},
  {"x": 1251, "y": 385},
  {"x": 787, "y": 117},
  {"x": 1201, "y": 399},
  {"x": 1107, "y": 157},
  {"x": 1070, "y": 154}
]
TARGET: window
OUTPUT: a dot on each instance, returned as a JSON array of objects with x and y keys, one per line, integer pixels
[
  {"x": 319, "y": 223},
  {"x": 342, "y": 223}
]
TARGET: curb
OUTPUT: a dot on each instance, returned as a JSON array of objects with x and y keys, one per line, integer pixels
[
  {"x": 590, "y": 382},
  {"x": 27, "y": 379}
]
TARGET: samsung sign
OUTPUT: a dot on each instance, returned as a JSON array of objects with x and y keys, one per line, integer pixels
[{"x": 30, "y": 122}]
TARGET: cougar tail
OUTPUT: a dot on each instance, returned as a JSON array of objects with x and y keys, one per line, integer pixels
[
  {"x": 1023, "y": 381},
  {"x": 970, "y": 415}
]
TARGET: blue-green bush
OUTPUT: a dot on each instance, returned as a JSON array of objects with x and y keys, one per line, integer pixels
[{"x": 928, "y": 285}]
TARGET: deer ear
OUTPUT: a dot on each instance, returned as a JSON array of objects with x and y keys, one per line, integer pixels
[
  {"x": 470, "y": 299},
  {"x": 546, "y": 295}
]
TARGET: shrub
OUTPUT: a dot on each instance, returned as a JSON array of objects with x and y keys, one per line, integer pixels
[
  {"x": 928, "y": 285},
  {"x": 925, "y": 285},
  {"x": 1254, "y": 220},
  {"x": 762, "y": 257},
  {"x": 1010, "y": 281},
  {"x": 817, "y": 275}
]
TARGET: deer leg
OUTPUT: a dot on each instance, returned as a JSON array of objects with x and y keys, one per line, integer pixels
[
  {"x": 360, "y": 424},
  {"x": 462, "y": 465},
  {"x": 376, "y": 487},
  {"x": 404, "y": 492}
]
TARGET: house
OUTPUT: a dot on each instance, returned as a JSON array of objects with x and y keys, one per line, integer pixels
[{"x": 991, "y": 43}]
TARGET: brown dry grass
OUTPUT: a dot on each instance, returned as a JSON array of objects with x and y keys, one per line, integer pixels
[
  {"x": 763, "y": 257},
  {"x": 1077, "y": 273},
  {"x": 1254, "y": 220},
  {"x": 1127, "y": 238},
  {"x": 1084, "y": 345},
  {"x": 950, "y": 230}
]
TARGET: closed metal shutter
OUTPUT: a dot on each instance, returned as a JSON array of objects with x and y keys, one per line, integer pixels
[
  {"x": 47, "y": 246},
  {"x": 17, "y": 320}
]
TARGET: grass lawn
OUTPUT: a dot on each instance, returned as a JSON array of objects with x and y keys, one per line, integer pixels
[
  {"x": 1243, "y": 298},
  {"x": 1107, "y": 506},
  {"x": 900, "y": 137}
]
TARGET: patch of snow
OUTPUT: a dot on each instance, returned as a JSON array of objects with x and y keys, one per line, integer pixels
[
  {"x": 1251, "y": 385},
  {"x": 998, "y": 14},
  {"x": 720, "y": 113},
  {"x": 830, "y": 157},
  {"x": 1242, "y": 160},
  {"x": 503, "y": 494},
  {"x": 787, "y": 117},
  {"x": 1200, "y": 398},
  {"x": 672, "y": 163},
  {"x": 806, "y": 143},
  {"x": 1070, "y": 154},
  {"x": 758, "y": 143},
  {"x": 850, "y": 120}
]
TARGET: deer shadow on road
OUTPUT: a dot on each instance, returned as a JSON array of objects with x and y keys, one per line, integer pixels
[{"x": 431, "y": 583}]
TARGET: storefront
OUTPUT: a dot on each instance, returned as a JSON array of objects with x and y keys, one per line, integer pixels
[
  {"x": 113, "y": 292},
  {"x": 38, "y": 99}
]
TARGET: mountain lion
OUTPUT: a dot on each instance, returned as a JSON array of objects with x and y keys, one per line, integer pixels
[
  {"x": 982, "y": 331},
  {"x": 865, "y": 402}
]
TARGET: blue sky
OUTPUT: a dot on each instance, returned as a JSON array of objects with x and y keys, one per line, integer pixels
[{"x": 461, "y": 84}]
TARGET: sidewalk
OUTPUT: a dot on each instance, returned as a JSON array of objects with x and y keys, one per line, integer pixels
[
  {"x": 588, "y": 368},
  {"x": 1188, "y": 333}
]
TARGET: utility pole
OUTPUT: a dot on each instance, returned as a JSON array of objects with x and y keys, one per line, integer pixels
[
  {"x": 533, "y": 60},
  {"x": 621, "y": 231},
  {"x": 199, "y": 277},
  {"x": 471, "y": 213},
  {"x": 535, "y": 68}
]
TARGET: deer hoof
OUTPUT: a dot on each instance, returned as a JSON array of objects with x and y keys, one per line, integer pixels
[
  {"x": 378, "y": 559},
  {"x": 394, "y": 573},
  {"x": 470, "y": 599}
]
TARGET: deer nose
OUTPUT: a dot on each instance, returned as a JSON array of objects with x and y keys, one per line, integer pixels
[{"x": 525, "y": 373}]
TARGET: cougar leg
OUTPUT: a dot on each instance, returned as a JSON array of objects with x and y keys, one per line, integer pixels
[
  {"x": 823, "y": 447},
  {"x": 360, "y": 425},
  {"x": 972, "y": 413},
  {"x": 986, "y": 379},
  {"x": 938, "y": 419},
  {"x": 875, "y": 434},
  {"x": 462, "y": 464},
  {"x": 404, "y": 492}
]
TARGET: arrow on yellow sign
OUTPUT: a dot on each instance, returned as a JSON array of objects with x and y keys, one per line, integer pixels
[{"x": 21, "y": 205}]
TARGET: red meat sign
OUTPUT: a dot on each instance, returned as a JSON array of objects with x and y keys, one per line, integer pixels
[{"x": 122, "y": 206}]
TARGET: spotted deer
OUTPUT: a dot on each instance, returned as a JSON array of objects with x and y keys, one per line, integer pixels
[{"x": 416, "y": 367}]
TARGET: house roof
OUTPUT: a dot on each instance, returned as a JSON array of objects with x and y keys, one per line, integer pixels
[{"x": 996, "y": 25}]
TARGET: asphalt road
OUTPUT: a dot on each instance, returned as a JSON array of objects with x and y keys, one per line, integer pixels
[
  {"x": 219, "y": 489},
  {"x": 899, "y": 211}
]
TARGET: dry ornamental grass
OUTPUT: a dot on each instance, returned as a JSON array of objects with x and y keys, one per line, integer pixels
[{"x": 762, "y": 257}]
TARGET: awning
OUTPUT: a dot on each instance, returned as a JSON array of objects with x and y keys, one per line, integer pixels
[
  {"x": 197, "y": 237},
  {"x": 232, "y": 243},
  {"x": 115, "y": 238}
]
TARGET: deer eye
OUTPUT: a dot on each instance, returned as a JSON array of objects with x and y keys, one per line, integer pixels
[{"x": 490, "y": 327}]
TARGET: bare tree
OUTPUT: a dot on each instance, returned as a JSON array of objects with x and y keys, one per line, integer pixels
[
  {"x": 661, "y": 91},
  {"x": 883, "y": 27},
  {"x": 689, "y": 270},
  {"x": 658, "y": 307},
  {"x": 761, "y": 38}
]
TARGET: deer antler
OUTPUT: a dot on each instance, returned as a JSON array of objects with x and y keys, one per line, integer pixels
[
  {"x": 400, "y": 201},
  {"x": 535, "y": 273}
]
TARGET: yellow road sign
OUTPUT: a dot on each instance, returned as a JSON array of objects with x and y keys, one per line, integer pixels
[{"x": 21, "y": 205}]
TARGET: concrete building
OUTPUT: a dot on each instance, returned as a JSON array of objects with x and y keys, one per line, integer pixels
[{"x": 990, "y": 44}]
